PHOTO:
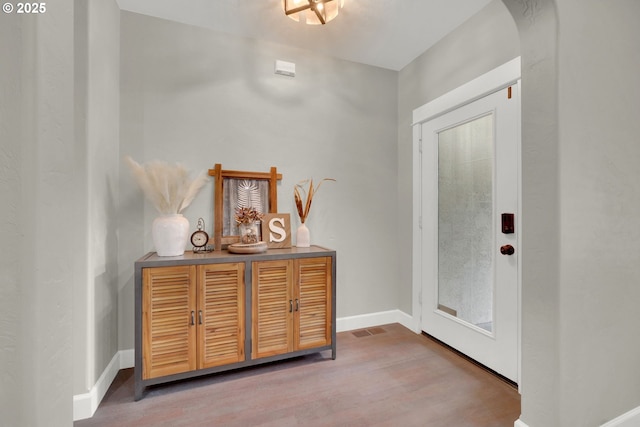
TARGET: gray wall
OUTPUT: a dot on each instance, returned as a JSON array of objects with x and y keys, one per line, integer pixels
[
  {"x": 599, "y": 104},
  {"x": 541, "y": 231},
  {"x": 58, "y": 326},
  {"x": 11, "y": 171},
  {"x": 39, "y": 179},
  {"x": 102, "y": 163},
  {"x": 97, "y": 91},
  {"x": 482, "y": 43},
  {"x": 199, "y": 97},
  {"x": 580, "y": 204}
]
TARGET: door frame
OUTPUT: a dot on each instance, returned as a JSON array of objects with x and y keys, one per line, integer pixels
[{"x": 494, "y": 80}]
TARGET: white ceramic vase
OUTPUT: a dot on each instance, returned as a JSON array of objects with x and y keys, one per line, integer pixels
[
  {"x": 170, "y": 233},
  {"x": 303, "y": 240}
]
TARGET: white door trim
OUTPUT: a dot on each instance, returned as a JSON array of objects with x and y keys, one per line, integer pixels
[
  {"x": 492, "y": 81},
  {"x": 496, "y": 79}
]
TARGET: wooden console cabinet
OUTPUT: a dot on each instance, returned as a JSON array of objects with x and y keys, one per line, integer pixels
[{"x": 199, "y": 314}]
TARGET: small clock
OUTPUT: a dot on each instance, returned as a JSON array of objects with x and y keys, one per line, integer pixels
[{"x": 200, "y": 238}]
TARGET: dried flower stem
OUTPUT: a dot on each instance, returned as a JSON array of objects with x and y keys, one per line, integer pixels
[
  {"x": 168, "y": 187},
  {"x": 298, "y": 191}
]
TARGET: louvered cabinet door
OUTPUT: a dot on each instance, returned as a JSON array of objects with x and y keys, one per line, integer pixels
[
  {"x": 221, "y": 328},
  {"x": 168, "y": 309},
  {"x": 313, "y": 296},
  {"x": 272, "y": 307}
]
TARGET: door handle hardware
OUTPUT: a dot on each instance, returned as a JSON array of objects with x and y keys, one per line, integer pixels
[
  {"x": 297, "y": 304},
  {"x": 193, "y": 318},
  {"x": 290, "y": 306},
  {"x": 200, "y": 317},
  {"x": 507, "y": 250}
]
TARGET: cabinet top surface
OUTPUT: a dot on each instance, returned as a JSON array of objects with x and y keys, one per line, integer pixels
[{"x": 153, "y": 260}]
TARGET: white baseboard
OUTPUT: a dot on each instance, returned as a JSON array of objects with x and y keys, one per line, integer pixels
[
  {"x": 374, "y": 319},
  {"x": 85, "y": 405},
  {"x": 628, "y": 419}
]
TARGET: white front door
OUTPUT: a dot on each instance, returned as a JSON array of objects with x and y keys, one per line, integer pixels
[{"x": 469, "y": 186}]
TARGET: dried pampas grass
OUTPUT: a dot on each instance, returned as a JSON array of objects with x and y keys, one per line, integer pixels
[
  {"x": 298, "y": 191},
  {"x": 168, "y": 187}
]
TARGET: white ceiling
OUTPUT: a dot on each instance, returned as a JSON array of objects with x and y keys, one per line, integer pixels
[{"x": 382, "y": 33}]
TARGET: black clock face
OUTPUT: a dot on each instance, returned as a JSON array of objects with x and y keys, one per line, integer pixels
[{"x": 199, "y": 239}]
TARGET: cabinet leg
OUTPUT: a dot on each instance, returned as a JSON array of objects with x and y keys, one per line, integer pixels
[{"x": 138, "y": 390}]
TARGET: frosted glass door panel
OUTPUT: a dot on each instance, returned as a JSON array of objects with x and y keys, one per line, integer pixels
[{"x": 465, "y": 221}]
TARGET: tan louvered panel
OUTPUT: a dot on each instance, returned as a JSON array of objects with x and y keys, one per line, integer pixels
[
  {"x": 221, "y": 307},
  {"x": 313, "y": 318},
  {"x": 168, "y": 338},
  {"x": 272, "y": 321}
]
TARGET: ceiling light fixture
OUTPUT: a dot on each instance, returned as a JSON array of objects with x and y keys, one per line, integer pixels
[{"x": 313, "y": 12}]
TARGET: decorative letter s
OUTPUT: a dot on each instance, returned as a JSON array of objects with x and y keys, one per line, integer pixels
[{"x": 278, "y": 229}]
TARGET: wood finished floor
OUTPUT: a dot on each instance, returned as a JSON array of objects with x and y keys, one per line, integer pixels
[{"x": 384, "y": 376}]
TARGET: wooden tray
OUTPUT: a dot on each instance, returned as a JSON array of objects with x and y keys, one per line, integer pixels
[{"x": 247, "y": 248}]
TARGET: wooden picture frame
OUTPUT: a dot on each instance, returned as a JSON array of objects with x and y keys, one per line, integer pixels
[
  {"x": 222, "y": 214},
  {"x": 276, "y": 230}
]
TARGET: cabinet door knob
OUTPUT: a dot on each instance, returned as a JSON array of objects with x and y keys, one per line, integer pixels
[
  {"x": 297, "y": 304},
  {"x": 200, "y": 317},
  {"x": 193, "y": 317},
  {"x": 290, "y": 306}
]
